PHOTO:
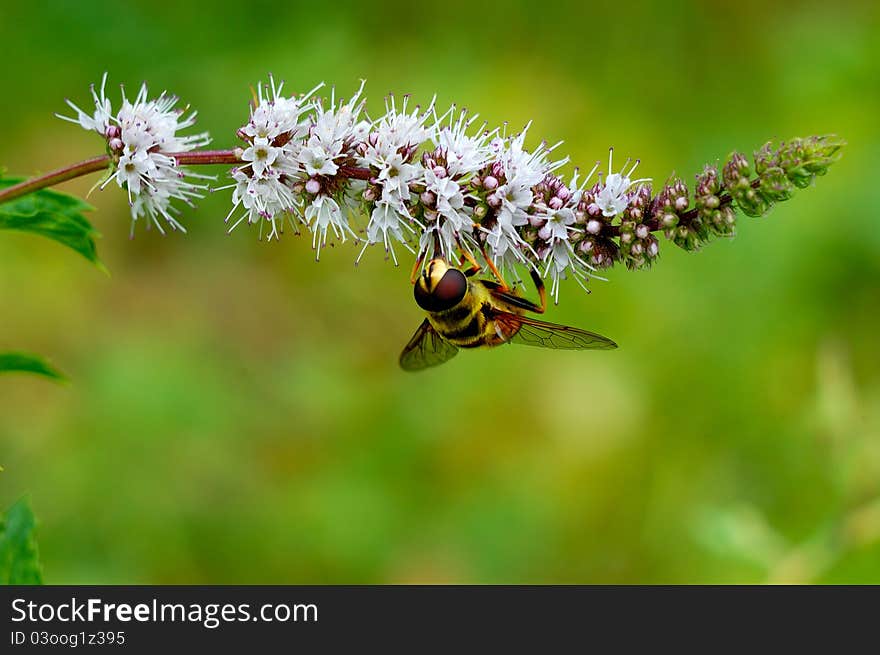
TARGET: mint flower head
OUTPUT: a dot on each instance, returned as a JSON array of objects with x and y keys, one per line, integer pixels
[
  {"x": 142, "y": 138},
  {"x": 437, "y": 183},
  {"x": 428, "y": 182},
  {"x": 271, "y": 163}
]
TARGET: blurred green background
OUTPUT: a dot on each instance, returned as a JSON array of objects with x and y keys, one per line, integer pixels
[{"x": 236, "y": 414}]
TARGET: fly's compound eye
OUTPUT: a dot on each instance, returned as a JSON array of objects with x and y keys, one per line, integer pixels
[
  {"x": 451, "y": 288},
  {"x": 450, "y": 291}
]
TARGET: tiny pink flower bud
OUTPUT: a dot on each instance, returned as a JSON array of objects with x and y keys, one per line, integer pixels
[
  {"x": 642, "y": 231},
  {"x": 113, "y": 132},
  {"x": 593, "y": 209},
  {"x": 116, "y": 144},
  {"x": 669, "y": 220},
  {"x": 369, "y": 194},
  {"x": 563, "y": 194},
  {"x": 536, "y": 221},
  {"x": 653, "y": 249},
  {"x": 626, "y": 237},
  {"x": 428, "y": 198},
  {"x": 439, "y": 171},
  {"x": 637, "y": 249},
  {"x": 594, "y": 226},
  {"x": 313, "y": 186},
  {"x": 681, "y": 203},
  {"x": 545, "y": 233},
  {"x": 490, "y": 182},
  {"x": 493, "y": 200},
  {"x": 556, "y": 203}
]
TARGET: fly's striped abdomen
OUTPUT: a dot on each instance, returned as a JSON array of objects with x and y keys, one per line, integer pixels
[{"x": 463, "y": 325}]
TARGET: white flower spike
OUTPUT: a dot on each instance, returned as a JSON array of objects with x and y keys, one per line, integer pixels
[{"x": 143, "y": 136}]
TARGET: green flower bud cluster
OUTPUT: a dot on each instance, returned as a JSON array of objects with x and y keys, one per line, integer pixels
[
  {"x": 799, "y": 160},
  {"x": 736, "y": 176},
  {"x": 753, "y": 189}
]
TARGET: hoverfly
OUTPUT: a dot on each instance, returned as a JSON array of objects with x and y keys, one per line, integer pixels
[{"x": 469, "y": 313}]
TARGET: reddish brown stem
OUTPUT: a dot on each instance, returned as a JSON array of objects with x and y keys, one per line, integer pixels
[
  {"x": 92, "y": 165},
  {"x": 196, "y": 157},
  {"x": 355, "y": 172},
  {"x": 206, "y": 157}
]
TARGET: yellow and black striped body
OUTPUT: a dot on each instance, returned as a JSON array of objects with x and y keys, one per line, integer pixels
[
  {"x": 469, "y": 324},
  {"x": 467, "y": 313}
]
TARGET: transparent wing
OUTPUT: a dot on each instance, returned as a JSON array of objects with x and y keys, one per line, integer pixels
[
  {"x": 532, "y": 332},
  {"x": 426, "y": 349}
]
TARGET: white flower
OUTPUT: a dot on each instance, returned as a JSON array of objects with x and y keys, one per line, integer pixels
[
  {"x": 453, "y": 222},
  {"x": 264, "y": 184},
  {"x": 323, "y": 215},
  {"x": 397, "y": 130},
  {"x": 275, "y": 115},
  {"x": 507, "y": 246},
  {"x": 333, "y": 134},
  {"x": 386, "y": 225},
  {"x": 317, "y": 161},
  {"x": 515, "y": 197},
  {"x": 613, "y": 197},
  {"x": 140, "y": 135},
  {"x": 265, "y": 199},
  {"x": 275, "y": 131},
  {"x": 521, "y": 170},
  {"x": 395, "y": 177},
  {"x": 391, "y": 145},
  {"x": 450, "y": 199},
  {"x": 527, "y": 168},
  {"x": 102, "y": 117},
  {"x": 341, "y": 122},
  {"x": 561, "y": 260},
  {"x": 558, "y": 224},
  {"x": 464, "y": 154},
  {"x": 154, "y": 124},
  {"x": 261, "y": 154}
]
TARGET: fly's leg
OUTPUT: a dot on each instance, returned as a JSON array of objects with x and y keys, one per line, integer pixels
[
  {"x": 417, "y": 267},
  {"x": 493, "y": 268},
  {"x": 542, "y": 292},
  {"x": 467, "y": 257},
  {"x": 525, "y": 303}
]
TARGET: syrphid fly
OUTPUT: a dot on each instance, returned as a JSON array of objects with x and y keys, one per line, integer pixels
[{"x": 470, "y": 313}]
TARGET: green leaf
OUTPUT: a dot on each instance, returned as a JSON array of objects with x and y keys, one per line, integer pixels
[
  {"x": 19, "y": 560},
  {"x": 13, "y": 362},
  {"x": 54, "y": 215}
]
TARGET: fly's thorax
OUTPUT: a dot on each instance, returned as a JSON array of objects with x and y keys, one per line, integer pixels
[{"x": 466, "y": 324}]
